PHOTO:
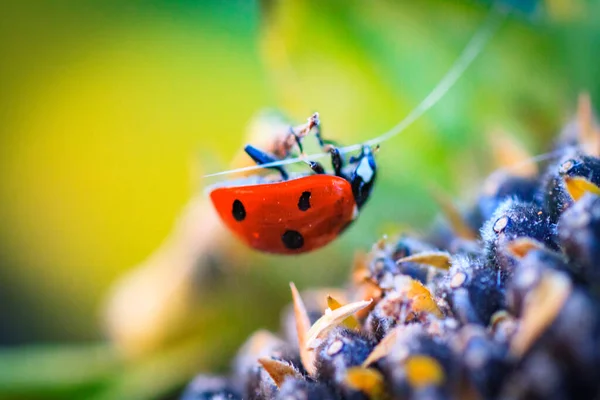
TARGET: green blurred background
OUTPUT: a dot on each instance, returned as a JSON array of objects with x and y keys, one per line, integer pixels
[{"x": 110, "y": 113}]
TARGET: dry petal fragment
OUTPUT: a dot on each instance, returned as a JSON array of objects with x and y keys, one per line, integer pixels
[
  {"x": 367, "y": 290},
  {"x": 368, "y": 381},
  {"x": 438, "y": 259},
  {"x": 453, "y": 215},
  {"x": 508, "y": 152},
  {"x": 279, "y": 370},
  {"x": 302, "y": 328},
  {"x": 331, "y": 319},
  {"x": 498, "y": 317},
  {"x": 383, "y": 348},
  {"x": 360, "y": 268},
  {"x": 260, "y": 343},
  {"x": 419, "y": 296},
  {"x": 520, "y": 247},
  {"x": 578, "y": 186},
  {"x": 350, "y": 322},
  {"x": 542, "y": 305},
  {"x": 589, "y": 133}
]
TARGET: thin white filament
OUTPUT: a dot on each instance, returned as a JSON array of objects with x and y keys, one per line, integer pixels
[
  {"x": 551, "y": 155},
  {"x": 467, "y": 56}
]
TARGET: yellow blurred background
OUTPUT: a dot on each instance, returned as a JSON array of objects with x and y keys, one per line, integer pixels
[{"x": 110, "y": 113}]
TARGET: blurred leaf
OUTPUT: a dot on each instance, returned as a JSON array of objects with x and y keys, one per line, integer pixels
[{"x": 55, "y": 369}]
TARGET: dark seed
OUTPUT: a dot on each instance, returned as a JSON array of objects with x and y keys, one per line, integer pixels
[
  {"x": 292, "y": 240},
  {"x": 239, "y": 212},
  {"x": 304, "y": 202},
  {"x": 341, "y": 349}
]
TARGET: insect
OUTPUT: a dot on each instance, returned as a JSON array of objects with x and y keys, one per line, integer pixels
[{"x": 300, "y": 213}]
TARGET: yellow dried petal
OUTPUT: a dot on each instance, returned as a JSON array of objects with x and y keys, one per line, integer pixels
[
  {"x": 383, "y": 348},
  {"x": 331, "y": 319},
  {"x": 520, "y": 247},
  {"x": 423, "y": 371},
  {"x": 366, "y": 380},
  {"x": 437, "y": 259},
  {"x": 578, "y": 186},
  {"x": 419, "y": 296},
  {"x": 350, "y": 322}
]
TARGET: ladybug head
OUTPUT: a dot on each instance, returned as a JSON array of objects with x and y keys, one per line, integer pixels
[{"x": 363, "y": 176}]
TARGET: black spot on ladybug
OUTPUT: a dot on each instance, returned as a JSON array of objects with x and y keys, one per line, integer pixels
[
  {"x": 239, "y": 212},
  {"x": 304, "y": 202},
  {"x": 293, "y": 240}
]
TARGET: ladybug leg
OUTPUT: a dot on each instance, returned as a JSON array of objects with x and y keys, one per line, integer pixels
[
  {"x": 325, "y": 144},
  {"x": 316, "y": 167},
  {"x": 299, "y": 132},
  {"x": 298, "y": 140},
  {"x": 337, "y": 161},
  {"x": 260, "y": 157},
  {"x": 355, "y": 159}
]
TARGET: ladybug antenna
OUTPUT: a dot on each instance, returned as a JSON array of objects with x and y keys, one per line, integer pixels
[{"x": 468, "y": 55}]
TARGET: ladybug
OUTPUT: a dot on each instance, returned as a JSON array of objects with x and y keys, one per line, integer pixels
[{"x": 296, "y": 214}]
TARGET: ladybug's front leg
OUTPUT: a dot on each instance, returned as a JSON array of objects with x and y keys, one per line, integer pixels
[
  {"x": 298, "y": 140},
  {"x": 325, "y": 144},
  {"x": 337, "y": 161},
  {"x": 299, "y": 132},
  {"x": 316, "y": 167},
  {"x": 260, "y": 157}
]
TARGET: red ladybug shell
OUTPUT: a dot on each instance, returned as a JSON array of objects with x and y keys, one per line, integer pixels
[{"x": 287, "y": 217}]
